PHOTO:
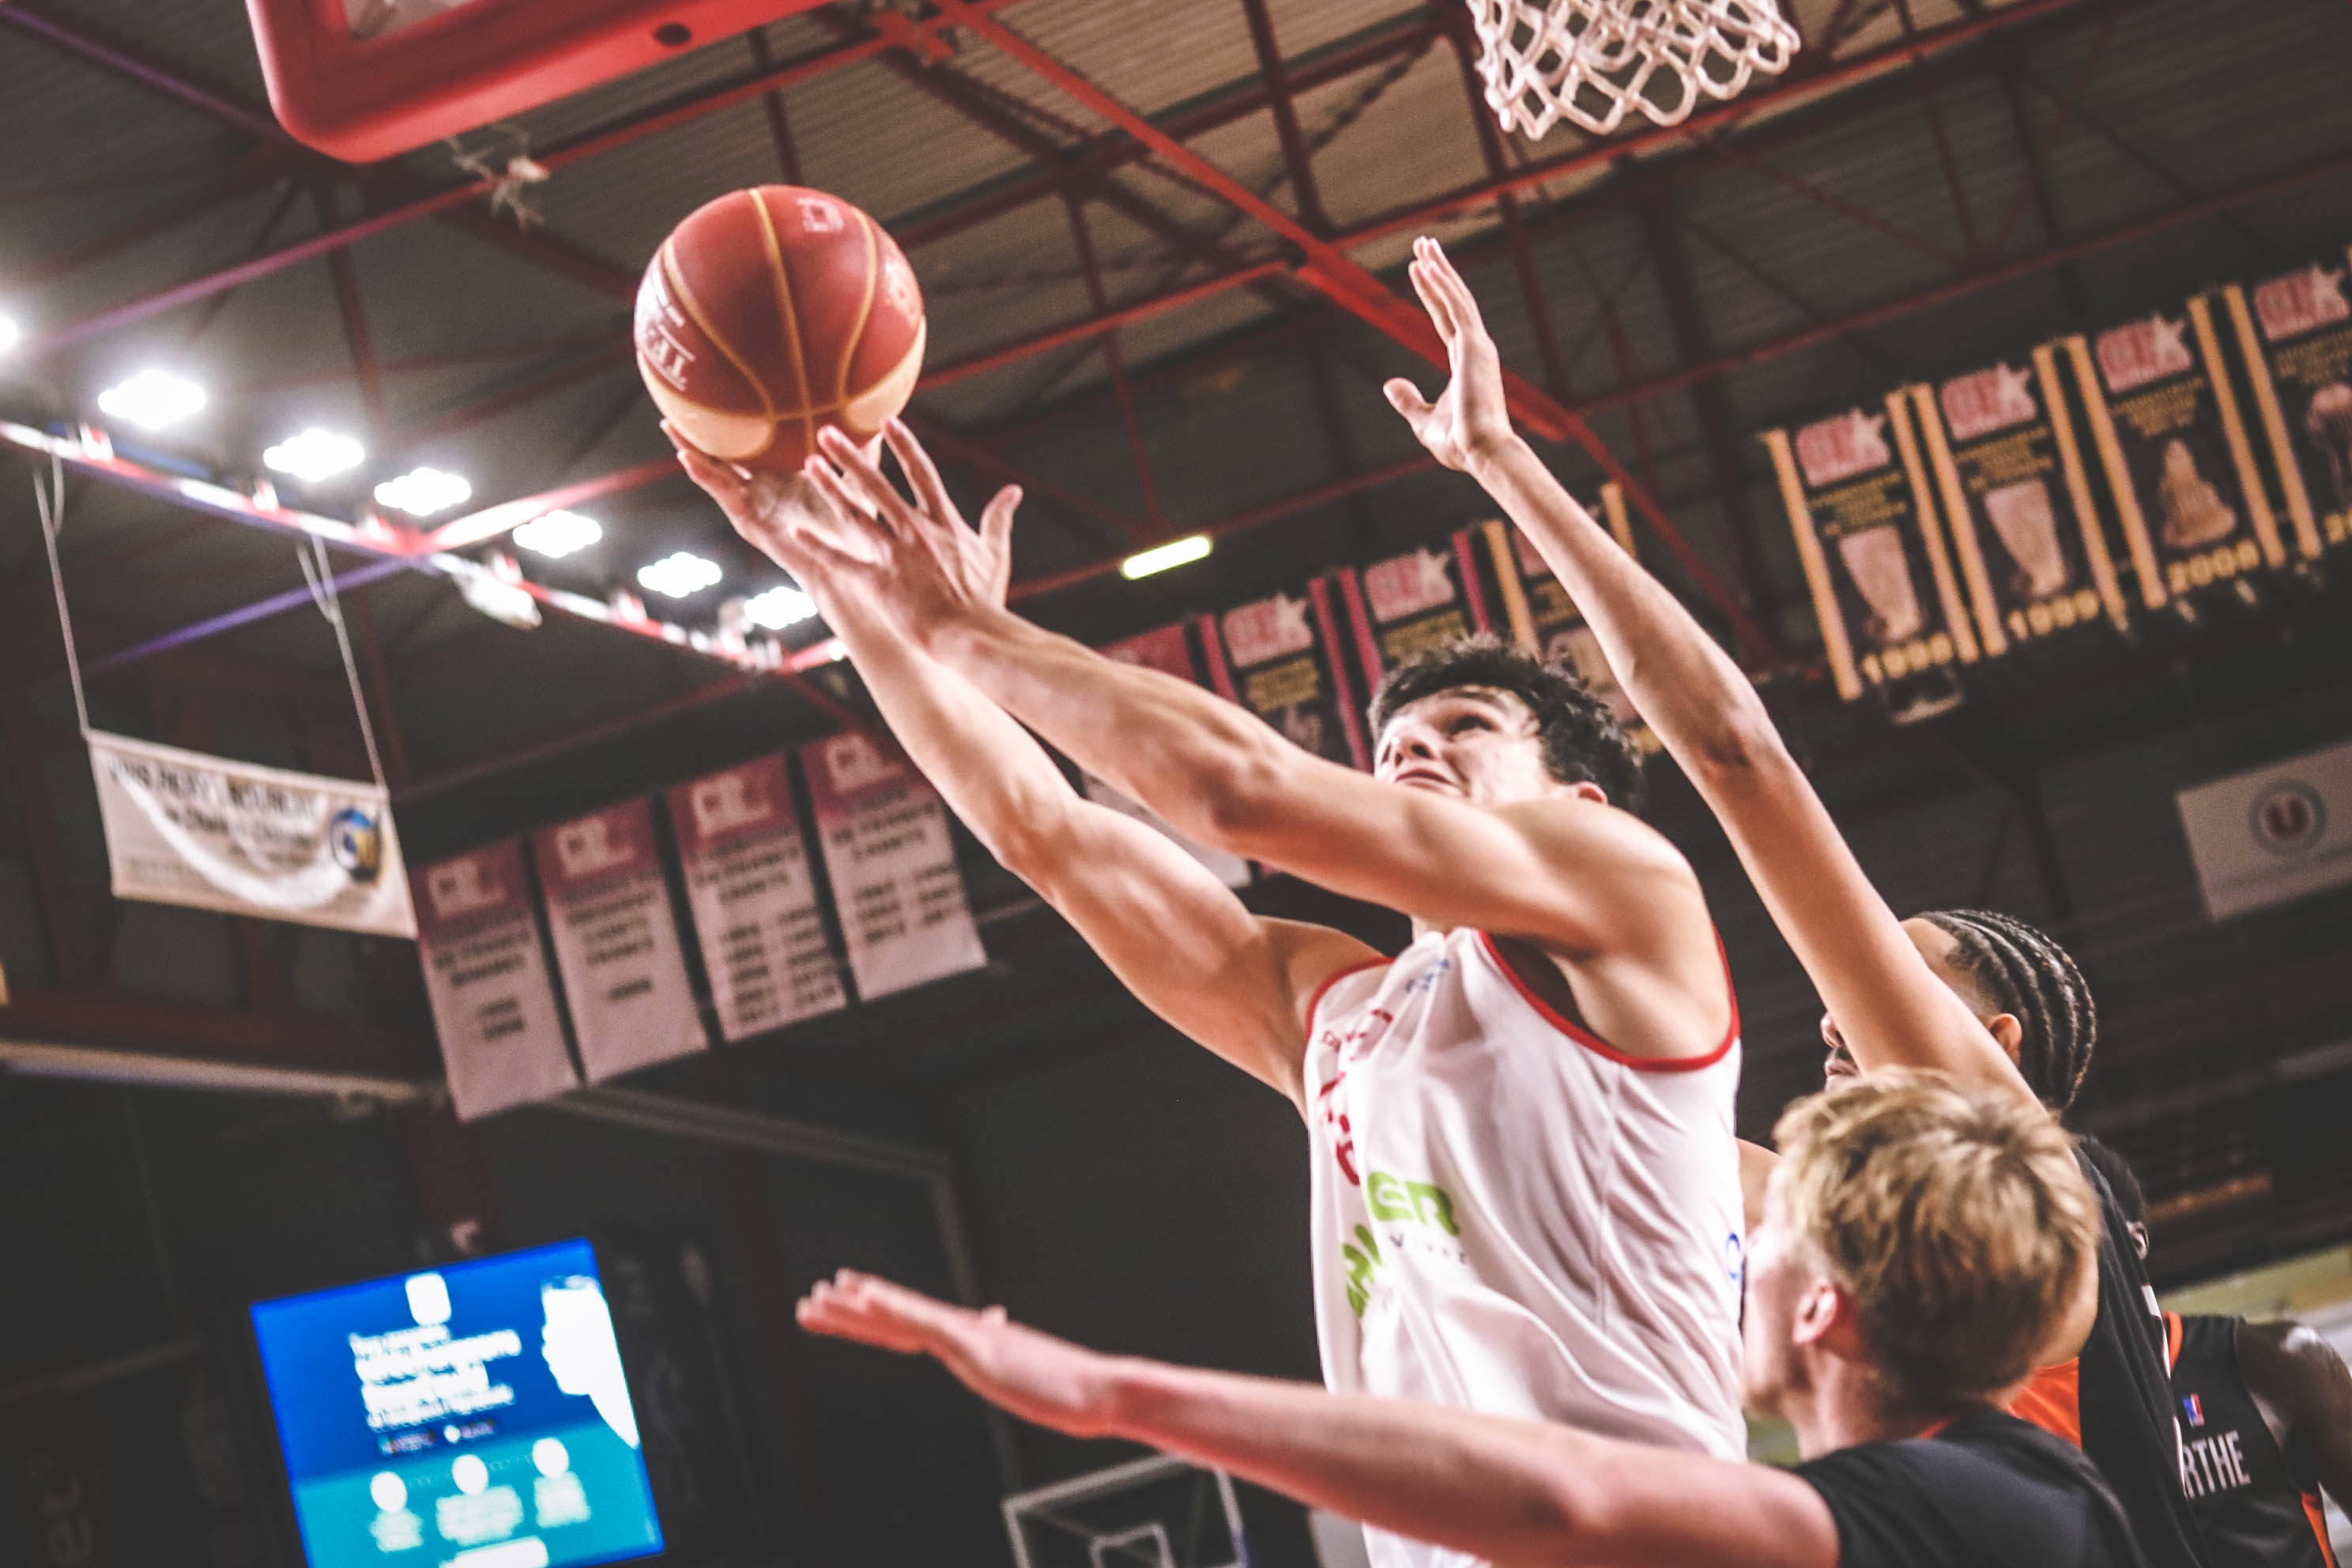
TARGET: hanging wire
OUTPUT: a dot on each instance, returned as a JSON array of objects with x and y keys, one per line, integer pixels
[
  {"x": 315, "y": 571},
  {"x": 53, "y": 518}
]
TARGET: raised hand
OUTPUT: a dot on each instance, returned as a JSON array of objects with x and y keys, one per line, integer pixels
[
  {"x": 1470, "y": 420},
  {"x": 1036, "y": 1376},
  {"x": 976, "y": 567}
]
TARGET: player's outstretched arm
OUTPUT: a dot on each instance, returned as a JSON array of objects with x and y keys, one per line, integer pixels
[
  {"x": 1501, "y": 1489},
  {"x": 2292, "y": 1369},
  {"x": 1173, "y": 934},
  {"x": 1890, "y": 1006},
  {"x": 1571, "y": 875}
]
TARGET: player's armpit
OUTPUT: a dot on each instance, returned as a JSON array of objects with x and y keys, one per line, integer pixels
[
  {"x": 1184, "y": 942},
  {"x": 2291, "y": 1369}
]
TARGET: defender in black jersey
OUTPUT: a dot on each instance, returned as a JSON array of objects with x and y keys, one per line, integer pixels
[
  {"x": 1918, "y": 1244},
  {"x": 2266, "y": 1413}
]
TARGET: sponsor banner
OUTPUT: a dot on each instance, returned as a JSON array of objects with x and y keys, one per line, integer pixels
[
  {"x": 752, "y": 894},
  {"x": 185, "y": 828},
  {"x": 2009, "y": 473},
  {"x": 2165, "y": 423},
  {"x": 892, "y": 864},
  {"x": 1170, "y": 651},
  {"x": 1279, "y": 658},
  {"x": 485, "y": 976},
  {"x": 2296, "y": 338},
  {"x": 2273, "y": 834},
  {"x": 1542, "y": 618},
  {"x": 615, "y": 935},
  {"x": 1424, "y": 598},
  {"x": 1872, "y": 546}
]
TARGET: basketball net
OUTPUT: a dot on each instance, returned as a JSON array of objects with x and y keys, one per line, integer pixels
[{"x": 1592, "y": 62}]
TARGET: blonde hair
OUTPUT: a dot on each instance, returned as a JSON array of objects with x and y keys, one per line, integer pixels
[{"x": 1959, "y": 1221}]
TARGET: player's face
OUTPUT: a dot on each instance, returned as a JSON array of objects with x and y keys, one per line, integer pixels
[
  {"x": 1472, "y": 743},
  {"x": 1935, "y": 944},
  {"x": 1768, "y": 1321}
]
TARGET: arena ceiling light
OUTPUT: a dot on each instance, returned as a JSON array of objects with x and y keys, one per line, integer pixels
[
  {"x": 1160, "y": 557},
  {"x": 314, "y": 454},
  {"x": 557, "y": 535},
  {"x": 779, "y": 607},
  {"x": 11, "y": 334},
  {"x": 151, "y": 399},
  {"x": 421, "y": 492},
  {"x": 679, "y": 577}
]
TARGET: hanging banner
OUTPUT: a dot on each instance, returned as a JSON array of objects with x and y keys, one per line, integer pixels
[
  {"x": 1424, "y": 598},
  {"x": 1170, "y": 651},
  {"x": 753, "y": 896},
  {"x": 891, "y": 860},
  {"x": 2009, "y": 473},
  {"x": 2176, "y": 454},
  {"x": 1544, "y": 620},
  {"x": 485, "y": 978},
  {"x": 185, "y": 828},
  {"x": 2297, "y": 345},
  {"x": 1279, "y": 658},
  {"x": 1872, "y": 546},
  {"x": 2269, "y": 835},
  {"x": 615, "y": 935}
]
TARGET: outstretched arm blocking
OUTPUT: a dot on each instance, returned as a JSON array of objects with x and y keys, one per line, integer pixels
[
  {"x": 1173, "y": 934},
  {"x": 1890, "y": 1006},
  {"x": 1502, "y": 1490}
]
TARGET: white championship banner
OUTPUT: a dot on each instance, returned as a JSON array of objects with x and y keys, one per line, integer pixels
[
  {"x": 185, "y": 828},
  {"x": 615, "y": 935},
  {"x": 892, "y": 864},
  {"x": 493, "y": 1002},
  {"x": 748, "y": 885},
  {"x": 2271, "y": 833}
]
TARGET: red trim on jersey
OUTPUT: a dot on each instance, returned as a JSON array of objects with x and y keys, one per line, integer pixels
[
  {"x": 1334, "y": 978},
  {"x": 1601, "y": 1047},
  {"x": 2316, "y": 1511}
]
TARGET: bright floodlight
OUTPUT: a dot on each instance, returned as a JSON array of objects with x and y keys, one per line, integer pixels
[
  {"x": 421, "y": 492},
  {"x": 558, "y": 534},
  {"x": 314, "y": 455},
  {"x": 679, "y": 577},
  {"x": 778, "y": 607},
  {"x": 151, "y": 399},
  {"x": 1160, "y": 557},
  {"x": 10, "y": 333}
]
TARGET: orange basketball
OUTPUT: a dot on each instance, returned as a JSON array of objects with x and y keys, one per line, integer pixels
[{"x": 772, "y": 311}]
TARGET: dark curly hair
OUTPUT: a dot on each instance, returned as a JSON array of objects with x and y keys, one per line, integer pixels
[
  {"x": 2012, "y": 967},
  {"x": 1582, "y": 740}
]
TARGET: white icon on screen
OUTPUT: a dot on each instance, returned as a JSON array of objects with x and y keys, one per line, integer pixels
[
  {"x": 470, "y": 1474},
  {"x": 581, "y": 1353},
  {"x": 390, "y": 1493},
  {"x": 428, "y": 1298}
]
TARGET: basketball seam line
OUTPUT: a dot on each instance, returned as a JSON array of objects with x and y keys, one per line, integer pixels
[
  {"x": 865, "y": 309},
  {"x": 685, "y": 300},
  {"x": 791, "y": 319}
]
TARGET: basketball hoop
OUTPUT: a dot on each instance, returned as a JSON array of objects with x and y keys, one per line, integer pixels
[{"x": 1592, "y": 62}]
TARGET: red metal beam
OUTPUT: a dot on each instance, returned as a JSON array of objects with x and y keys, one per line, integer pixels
[
  {"x": 1515, "y": 233},
  {"x": 1095, "y": 325},
  {"x": 247, "y": 175},
  {"x": 1295, "y": 155},
  {"x": 364, "y": 368},
  {"x": 1331, "y": 271},
  {"x": 2037, "y": 157},
  {"x": 963, "y": 448}
]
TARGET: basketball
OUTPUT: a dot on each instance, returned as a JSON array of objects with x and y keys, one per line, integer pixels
[{"x": 774, "y": 310}]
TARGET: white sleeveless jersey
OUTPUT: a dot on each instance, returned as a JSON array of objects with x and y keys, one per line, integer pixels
[{"x": 1510, "y": 1216}]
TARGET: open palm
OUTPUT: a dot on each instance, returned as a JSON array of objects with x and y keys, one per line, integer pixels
[{"x": 1470, "y": 418}]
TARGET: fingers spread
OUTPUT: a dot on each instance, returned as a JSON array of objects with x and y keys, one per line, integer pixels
[
  {"x": 863, "y": 477},
  {"x": 921, "y": 471}
]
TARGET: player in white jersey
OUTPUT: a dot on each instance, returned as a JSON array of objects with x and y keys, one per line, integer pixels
[{"x": 1526, "y": 1184}]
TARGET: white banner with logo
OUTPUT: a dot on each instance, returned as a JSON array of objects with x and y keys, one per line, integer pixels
[
  {"x": 185, "y": 828},
  {"x": 616, "y": 946},
  {"x": 892, "y": 864},
  {"x": 493, "y": 1002},
  {"x": 748, "y": 884},
  {"x": 2273, "y": 834}
]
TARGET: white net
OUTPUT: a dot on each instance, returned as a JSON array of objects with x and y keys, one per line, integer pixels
[{"x": 1593, "y": 62}]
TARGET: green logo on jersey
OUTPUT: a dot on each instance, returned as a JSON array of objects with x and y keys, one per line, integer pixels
[{"x": 1421, "y": 1204}]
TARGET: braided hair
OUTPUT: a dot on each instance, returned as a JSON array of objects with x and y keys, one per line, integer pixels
[{"x": 2014, "y": 968}]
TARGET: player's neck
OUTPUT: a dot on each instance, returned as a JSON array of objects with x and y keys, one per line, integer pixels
[{"x": 1845, "y": 1403}]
